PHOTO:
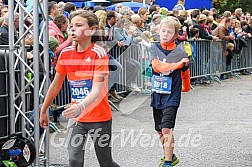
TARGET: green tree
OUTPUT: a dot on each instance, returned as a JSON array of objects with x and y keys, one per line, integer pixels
[{"x": 231, "y": 5}]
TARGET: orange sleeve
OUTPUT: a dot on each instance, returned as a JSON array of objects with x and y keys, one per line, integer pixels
[
  {"x": 161, "y": 67},
  {"x": 60, "y": 68},
  {"x": 186, "y": 82},
  {"x": 101, "y": 65}
]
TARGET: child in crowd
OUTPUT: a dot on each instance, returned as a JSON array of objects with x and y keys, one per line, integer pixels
[
  {"x": 194, "y": 32},
  {"x": 171, "y": 75},
  {"x": 229, "y": 56},
  {"x": 86, "y": 68}
]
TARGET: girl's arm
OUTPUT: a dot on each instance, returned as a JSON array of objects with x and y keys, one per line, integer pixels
[{"x": 50, "y": 96}]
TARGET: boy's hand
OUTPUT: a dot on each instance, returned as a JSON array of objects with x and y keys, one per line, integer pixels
[{"x": 185, "y": 61}]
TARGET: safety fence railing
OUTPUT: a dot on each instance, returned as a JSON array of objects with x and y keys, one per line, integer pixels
[
  {"x": 4, "y": 115},
  {"x": 23, "y": 87}
]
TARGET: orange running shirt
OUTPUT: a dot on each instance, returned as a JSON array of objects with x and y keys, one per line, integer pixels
[{"x": 80, "y": 68}]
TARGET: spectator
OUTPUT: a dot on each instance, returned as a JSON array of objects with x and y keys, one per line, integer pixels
[
  {"x": 53, "y": 11},
  {"x": 61, "y": 6},
  {"x": 194, "y": 33},
  {"x": 203, "y": 33},
  {"x": 70, "y": 7},
  {"x": 4, "y": 29},
  {"x": 4, "y": 10},
  {"x": 216, "y": 21},
  {"x": 238, "y": 13},
  {"x": 209, "y": 24},
  {"x": 163, "y": 12},
  {"x": 249, "y": 28},
  {"x": 244, "y": 25},
  {"x": 206, "y": 12},
  {"x": 213, "y": 11},
  {"x": 132, "y": 66},
  {"x": 154, "y": 26},
  {"x": 109, "y": 31},
  {"x": 118, "y": 7},
  {"x": 182, "y": 33},
  {"x": 175, "y": 13},
  {"x": 222, "y": 31},
  {"x": 227, "y": 14},
  {"x": 153, "y": 10},
  {"x": 202, "y": 9},
  {"x": 179, "y": 6},
  {"x": 143, "y": 13},
  {"x": 1, "y": 3},
  {"x": 137, "y": 24},
  {"x": 125, "y": 10},
  {"x": 58, "y": 29},
  {"x": 183, "y": 14},
  {"x": 229, "y": 56},
  {"x": 123, "y": 36},
  {"x": 112, "y": 44},
  {"x": 195, "y": 17},
  {"x": 247, "y": 16}
]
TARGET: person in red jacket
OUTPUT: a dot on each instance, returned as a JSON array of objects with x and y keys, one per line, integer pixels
[{"x": 171, "y": 75}]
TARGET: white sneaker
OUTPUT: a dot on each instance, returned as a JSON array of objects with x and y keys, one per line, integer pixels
[{"x": 134, "y": 88}]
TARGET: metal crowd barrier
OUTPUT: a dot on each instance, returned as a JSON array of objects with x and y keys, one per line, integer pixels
[
  {"x": 22, "y": 107},
  {"x": 209, "y": 60},
  {"x": 4, "y": 114}
]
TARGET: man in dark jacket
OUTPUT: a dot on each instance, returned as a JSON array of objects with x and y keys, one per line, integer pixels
[{"x": 4, "y": 29}]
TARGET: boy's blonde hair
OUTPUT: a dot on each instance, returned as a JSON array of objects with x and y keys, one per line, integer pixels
[
  {"x": 172, "y": 22},
  {"x": 230, "y": 46}
]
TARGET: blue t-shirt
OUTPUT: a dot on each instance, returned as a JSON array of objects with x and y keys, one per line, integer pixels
[{"x": 159, "y": 100}]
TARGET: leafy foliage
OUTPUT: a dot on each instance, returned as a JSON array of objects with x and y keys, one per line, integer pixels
[{"x": 231, "y": 5}]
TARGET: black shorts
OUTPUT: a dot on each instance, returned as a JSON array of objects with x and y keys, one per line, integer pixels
[{"x": 165, "y": 118}]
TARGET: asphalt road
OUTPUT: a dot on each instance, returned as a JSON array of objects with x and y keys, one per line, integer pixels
[{"x": 213, "y": 129}]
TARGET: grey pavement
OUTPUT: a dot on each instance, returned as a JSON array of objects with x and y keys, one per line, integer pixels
[{"x": 213, "y": 129}]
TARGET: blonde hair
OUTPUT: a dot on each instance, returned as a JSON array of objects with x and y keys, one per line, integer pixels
[
  {"x": 146, "y": 35},
  {"x": 136, "y": 19},
  {"x": 172, "y": 22},
  {"x": 229, "y": 45},
  {"x": 102, "y": 17}
]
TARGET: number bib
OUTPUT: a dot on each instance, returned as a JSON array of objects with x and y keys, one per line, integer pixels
[
  {"x": 161, "y": 84},
  {"x": 80, "y": 89}
]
